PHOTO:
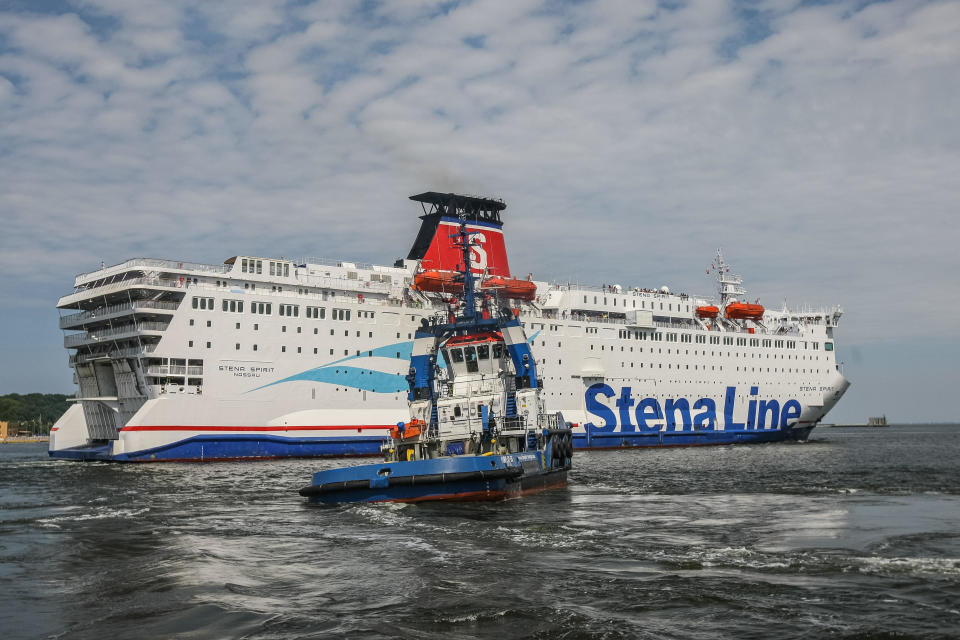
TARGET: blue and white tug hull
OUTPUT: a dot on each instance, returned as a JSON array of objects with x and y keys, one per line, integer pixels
[{"x": 461, "y": 478}]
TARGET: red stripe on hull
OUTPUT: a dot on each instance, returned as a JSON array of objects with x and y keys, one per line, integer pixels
[
  {"x": 254, "y": 458},
  {"x": 170, "y": 427}
]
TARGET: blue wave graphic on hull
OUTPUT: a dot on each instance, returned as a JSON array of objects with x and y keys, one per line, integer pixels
[
  {"x": 399, "y": 350},
  {"x": 363, "y": 378},
  {"x": 358, "y": 377},
  {"x": 355, "y": 377}
]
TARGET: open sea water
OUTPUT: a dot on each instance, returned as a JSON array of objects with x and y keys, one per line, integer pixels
[{"x": 854, "y": 534}]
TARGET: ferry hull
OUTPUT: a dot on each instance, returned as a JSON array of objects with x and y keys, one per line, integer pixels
[
  {"x": 619, "y": 440},
  {"x": 214, "y": 448},
  {"x": 262, "y": 446}
]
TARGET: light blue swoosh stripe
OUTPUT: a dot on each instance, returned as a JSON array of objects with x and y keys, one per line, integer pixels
[
  {"x": 363, "y": 378},
  {"x": 359, "y": 377},
  {"x": 355, "y": 377},
  {"x": 405, "y": 349}
]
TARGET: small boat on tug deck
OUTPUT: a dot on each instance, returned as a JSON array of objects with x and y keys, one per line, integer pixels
[{"x": 477, "y": 428}]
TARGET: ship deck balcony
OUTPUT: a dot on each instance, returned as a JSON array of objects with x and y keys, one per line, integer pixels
[
  {"x": 173, "y": 370},
  {"x": 127, "y": 331},
  {"x": 123, "y": 286},
  {"x": 78, "y": 320},
  {"x": 129, "y": 352},
  {"x": 151, "y": 264}
]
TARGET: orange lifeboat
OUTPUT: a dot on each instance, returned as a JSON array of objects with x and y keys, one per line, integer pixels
[
  {"x": 707, "y": 312},
  {"x": 744, "y": 311},
  {"x": 512, "y": 288},
  {"x": 434, "y": 281}
]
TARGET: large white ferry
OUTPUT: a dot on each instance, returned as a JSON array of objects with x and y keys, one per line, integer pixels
[{"x": 265, "y": 358}]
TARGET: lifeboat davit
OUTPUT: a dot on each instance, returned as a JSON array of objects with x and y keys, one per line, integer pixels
[
  {"x": 744, "y": 311},
  {"x": 512, "y": 288},
  {"x": 707, "y": 312},
  {"x": 434, "y": 281}
]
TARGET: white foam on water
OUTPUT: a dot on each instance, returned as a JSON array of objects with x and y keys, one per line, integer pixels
[
  {"x": 897, "y": 566},
  {"x": 96, "y": 515}
]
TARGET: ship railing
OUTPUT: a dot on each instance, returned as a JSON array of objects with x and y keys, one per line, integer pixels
[
  {"x": 351, "y": 284},
  {"x": 83, "y": 316},
  {"x": 633, "y": 291},
  {"x": 82, "y": 358},
  {"x": 154, "y": 263},
  {"x": 577, "y": 317},
  {"x": 130, "y": 352},
  {"x": 92, "y": 292},
  {"x": 173, "y": 370},
  {"x": 518, "y": 423},
  {"x": 344, "y": 264},
  {"x": 333, "y": 284},
  {"x": 130, "y": 328},
  {"x": 550, "y": 420},
  {"x": 570, "y": 286}
]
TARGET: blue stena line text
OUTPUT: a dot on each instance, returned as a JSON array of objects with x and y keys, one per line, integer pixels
[{"x": 646, "y": 414}]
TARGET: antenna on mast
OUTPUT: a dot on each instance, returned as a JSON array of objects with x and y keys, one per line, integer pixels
[{"x": 730, "y": 285}]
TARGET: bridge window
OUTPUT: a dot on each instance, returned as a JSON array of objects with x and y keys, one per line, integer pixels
[
  {"x": 483, "y": 352},
  {"x": 828, "y": 346},
  {"x": 457, "y": 355},
  {"x": 470, "y": 355}
]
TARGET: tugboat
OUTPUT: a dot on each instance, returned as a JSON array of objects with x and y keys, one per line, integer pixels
[{"x": 477, "y": 427}]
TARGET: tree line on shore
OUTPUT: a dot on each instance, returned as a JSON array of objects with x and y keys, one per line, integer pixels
[{"x": 36, "y": 412}]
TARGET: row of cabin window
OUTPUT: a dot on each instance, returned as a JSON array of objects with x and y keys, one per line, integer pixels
[
  {"x": 727, "y": 340},
  {"x": 643, "y": 304},
  {"x": 293, "y": 311}
]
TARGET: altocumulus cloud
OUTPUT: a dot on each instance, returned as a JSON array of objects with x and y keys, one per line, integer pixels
[{"x": 817, "y": 142}]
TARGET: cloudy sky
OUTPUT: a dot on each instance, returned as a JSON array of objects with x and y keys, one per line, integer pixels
[{"x": 818, "y": 143}]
